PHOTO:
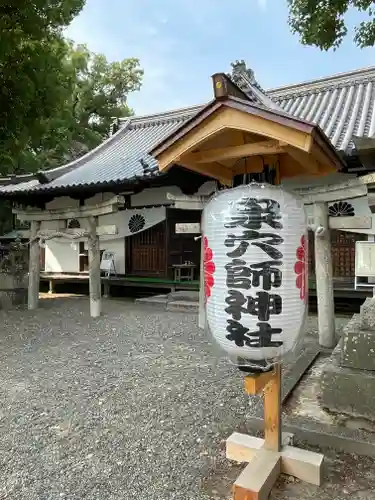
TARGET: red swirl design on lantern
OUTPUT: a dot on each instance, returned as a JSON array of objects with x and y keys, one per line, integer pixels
[
  {"x": 300, "y": 269},
  {"x": 209, "y": 269}
]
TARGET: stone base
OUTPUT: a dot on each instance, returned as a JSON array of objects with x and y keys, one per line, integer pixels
[
  {"x": 346, "y": 390},
  {"x": 173, "y": 302},
  {"x": 12, "y": 298},
  {"x": 13, "y": 290}
]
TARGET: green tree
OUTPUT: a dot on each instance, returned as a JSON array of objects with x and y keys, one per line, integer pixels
[
  {"x": 322, "y": 22},
  {"x": 92, "y": 93},
  {"x": 33, "y": 77},
  {"x": 98, "y": 94}
]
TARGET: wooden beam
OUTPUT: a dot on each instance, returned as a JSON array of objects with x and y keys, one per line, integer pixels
[
  {"x": 254, "y": 384},
  {"x": 257, "y": 479},
  {"x": 325, "y": 155},
  {"x": 329, "y": 194},
  {"x": 252, "y": 165},
  {"x": 77, "y": 233},
  {"x": 305, "y": 465},
  {"x": 106, "y": 207},
  {"x": 355, "y": 222},
  {"x": 360, "y": 222},
  {"x": 186, "y": 202},
  {"x": 233, "y": 152},
  {"x": 213, "y": 170},
  {"x": 306, "y": 161},
  {"x": 229, "y": 118},
  {"x": 272, "y": 411}
]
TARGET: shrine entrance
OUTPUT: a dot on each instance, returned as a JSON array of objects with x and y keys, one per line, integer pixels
[{"x": 146, "y": 252}]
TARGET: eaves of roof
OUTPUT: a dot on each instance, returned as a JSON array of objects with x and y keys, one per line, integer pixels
[
  {"x": 254, "y": 109},
  {"x": 121, "y": 159},
  {"x": 342, "y": 105}
]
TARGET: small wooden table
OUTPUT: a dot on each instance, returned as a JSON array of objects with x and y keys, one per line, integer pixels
[{"x": 184, "y": 272}]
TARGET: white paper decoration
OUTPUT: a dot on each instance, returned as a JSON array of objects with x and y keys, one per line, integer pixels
[{"x": 255, "y": 266}]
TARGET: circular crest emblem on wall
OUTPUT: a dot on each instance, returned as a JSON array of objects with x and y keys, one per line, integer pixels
[
  {"x": 136, "y": 223},
  {"x": 341, "y": 209},
  {"x": 74, "y": 224}
]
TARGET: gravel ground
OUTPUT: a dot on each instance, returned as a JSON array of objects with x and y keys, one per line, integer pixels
[{"x": 136, "y": 404}]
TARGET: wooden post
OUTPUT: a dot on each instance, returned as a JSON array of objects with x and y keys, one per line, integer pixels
[
  {"x": 51, "y": 288},
  {"x": 323, "y": 272},
  {"x": 106, "y": 289},
  {"x": 269, "y": 457},
  {"x": 202, "y": 311},
  {"x": 94, "y": 268},
  {"x": 272, "y": 411},
  {"x": 34, "y": 266}
]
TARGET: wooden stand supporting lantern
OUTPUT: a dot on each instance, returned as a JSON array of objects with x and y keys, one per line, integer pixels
[{"x": 269, "y": 457}]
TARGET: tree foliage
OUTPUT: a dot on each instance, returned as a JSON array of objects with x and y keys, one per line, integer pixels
[
  {"x": 322, "y": 22},
  {"x": 98, "y": 92},
  {"x": 57, "y": 99},
  {"x": 32, "y": 78}
]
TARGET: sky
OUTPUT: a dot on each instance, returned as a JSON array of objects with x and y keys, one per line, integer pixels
[{"x": 181, "y": 43}]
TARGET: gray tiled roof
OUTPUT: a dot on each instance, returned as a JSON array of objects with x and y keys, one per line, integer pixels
[
  {"x": 342, "y": 105},
  {"x": 123, "y": 157},
  {"x": 21, "y": 186}
]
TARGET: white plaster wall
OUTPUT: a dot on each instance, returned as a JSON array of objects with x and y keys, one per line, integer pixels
[
  {"x": 63, "y": 202},
  {"x": 98, "y": 198},
  {"x": 154, "y": 196},
  {"x": 61, "y": 257},
  {"x": 118, "y": 247},
  {"x": 52, "y": 224}
]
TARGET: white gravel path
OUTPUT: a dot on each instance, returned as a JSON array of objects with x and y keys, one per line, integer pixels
[{"x": 134, "y": 405}]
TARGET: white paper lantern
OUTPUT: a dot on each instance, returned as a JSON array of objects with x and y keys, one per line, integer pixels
[{"x": 255, "y": 265}]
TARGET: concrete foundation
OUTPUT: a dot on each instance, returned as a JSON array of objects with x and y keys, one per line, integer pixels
[{"x": 348, "y": 378}]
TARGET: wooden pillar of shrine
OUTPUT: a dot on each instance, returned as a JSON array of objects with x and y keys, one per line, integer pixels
[
  {"x": 34, "y": 266},
  {"x": 324, "y": 277},
  {"x": 94, "y": 268}
]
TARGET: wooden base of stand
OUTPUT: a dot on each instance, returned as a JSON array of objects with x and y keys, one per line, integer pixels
[{"x": 269, "y": 457}]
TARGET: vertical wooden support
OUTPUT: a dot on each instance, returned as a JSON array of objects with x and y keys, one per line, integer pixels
[
  {"x": 34, "y": 267},
  {"x": 269, "y": 457},
  {"x": 323, "y": 272},
  {"x": 106, "y": 289},
  {"x": 272, "y": 412},
  {"x": 94, "y": 268},
  {"x": 51, "y": 288},
  {"x": 202, "y": 310}
]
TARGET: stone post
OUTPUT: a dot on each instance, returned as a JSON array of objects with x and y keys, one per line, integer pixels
[
  {"x": 94, "y": 268},
  {"x": 34, "y": 267},
  {"x": 323, "y": 272},
  {"x": 202, "y": 311}
]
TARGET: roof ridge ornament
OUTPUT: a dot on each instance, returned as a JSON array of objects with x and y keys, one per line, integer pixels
[{"x": 243, "y": 76}]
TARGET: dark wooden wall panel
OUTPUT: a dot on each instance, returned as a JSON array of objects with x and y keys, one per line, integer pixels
[
  {"x": 343, "y": 253},
  {"x": 146, "y": 252}
]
